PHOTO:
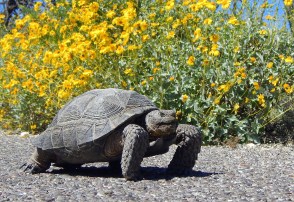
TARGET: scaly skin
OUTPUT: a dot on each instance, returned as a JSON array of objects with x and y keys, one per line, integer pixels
[
  {"x": 189, "y": 144},
  {"x": 135, "y": 141},
  {"x": 39, "y": 162}
]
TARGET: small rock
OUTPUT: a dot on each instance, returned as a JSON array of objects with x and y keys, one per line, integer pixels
[
  {"x": 250, "y": 145},
  {"x": 24, "y": 134}
]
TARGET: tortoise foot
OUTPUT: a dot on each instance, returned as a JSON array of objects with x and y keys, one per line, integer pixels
[
  {"x": 133, "y": 177},
  {"x": 32, "y": 168}
]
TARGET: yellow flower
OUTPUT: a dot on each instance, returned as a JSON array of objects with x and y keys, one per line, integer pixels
[
  {"x": 205, "y": 62},
  {"x": 67, "y": 84},
  {"x": 212, "y": 85},
  {"x": 225, "y": 3},
  {"x": 45, "y": 29},
  {"x": 214, "y": 50},
  {"x": 124, "y": 84},
  {"x": 119, "y": 50},
  {"x": 110, "y": 14},
  {"x": 145, "y": 37},
  {"x": 236, "y": 108},
  {"x": 262, "y": 32},
  {"x": 243, "y": 75},
  {"x": 33, "y": 126},
  {"x": 256, "y": 85},
  {"x": 214, "y": 38},
  {"x": 178, "y": 115},
  {"x": 184, "y": 98},
  {"x": 217, "y": 100},
  {"x": 288, "y": 2},
  {"x": 288, "y": 88},
  {"x": 207, "y": 21},
  {"x": 155, "y": 70},
  {"x": 143, "y": 83},
  {"x": 237, "y": 64},
  {"x": 282, "y": 57},
  {"x": 191, "y": 60},
  {"x": 129, "y": 72},
  {"x": 143, "y": 25},
  {"x": 252, "y": 59},
  {"x": 264, "y": 5},
  {"x": 52, "y": 33},
  {"x": 289, "y": 59},
  {"x": 269, "y": 17},
  {"x": 274, "y": 82},
  {"x": 2, "y": 16},
  {"x": 270, "y": 65},
  {"x": 186, "y": 2},
  {"x": 197, "y": 34},
  {"x": 37, "y": 6},
  {"x": 12, "y": 83},
  {"x": 233, "y": 20},
  {"x": 169, "y": 5},
  {"x": 133, "y": 47},
  {"x": 261, "y": 100},
  {"x": 169, "y": 19},
  {"x": 211, "y": 6},
  {"x": 176, "y": 24},
  {"x": 63, "y": 94},
  {"x": 94, "y": 6},
  {"x": 87, "y": 73},
  {"x": 120, "y": 21},
  {"x": 170, "y": 35},
  {"x": 172, "y": 78},
  {"x": 224, "y": 87},
  {"x": 203, "y": 49},
  {"x": 152, "y": 15},
  {"x": 28, "y": 84},
  {"x": 195, "y": 7}
]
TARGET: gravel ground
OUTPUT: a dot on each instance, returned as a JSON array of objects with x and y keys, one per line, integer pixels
[{"x": 247, "y": 173}]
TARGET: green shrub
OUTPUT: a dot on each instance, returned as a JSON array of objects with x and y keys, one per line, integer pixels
[{"x": 221, "y": 71}]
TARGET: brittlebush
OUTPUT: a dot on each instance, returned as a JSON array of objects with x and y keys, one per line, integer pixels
[{"x": 220, "y": 71}]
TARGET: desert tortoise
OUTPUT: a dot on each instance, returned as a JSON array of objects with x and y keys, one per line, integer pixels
[{"x": 116, "y": 126}]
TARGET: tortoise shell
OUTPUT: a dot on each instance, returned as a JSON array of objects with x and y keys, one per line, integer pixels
[{"x": 91, "y": 116}]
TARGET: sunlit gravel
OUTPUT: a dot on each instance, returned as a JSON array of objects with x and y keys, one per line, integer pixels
[{"x": 246, "y": 173}]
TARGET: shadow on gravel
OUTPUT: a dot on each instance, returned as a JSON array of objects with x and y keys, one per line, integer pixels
[{"x": 149, "y": 173}]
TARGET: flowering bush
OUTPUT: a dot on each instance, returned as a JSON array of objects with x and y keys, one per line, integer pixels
[{"x": 218, "y": 70}]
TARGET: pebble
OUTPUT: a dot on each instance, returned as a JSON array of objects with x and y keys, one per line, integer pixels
[{"x": 24, "y": 134}]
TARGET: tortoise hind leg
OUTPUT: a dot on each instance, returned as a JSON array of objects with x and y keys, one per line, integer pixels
[
  {"x": 39, "y": 162},
  {"x": 189, "y": 143},
  {"x": 135, "y": 143}
]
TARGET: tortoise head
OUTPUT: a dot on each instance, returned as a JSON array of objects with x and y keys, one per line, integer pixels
[{"x": 160, "y": 123}]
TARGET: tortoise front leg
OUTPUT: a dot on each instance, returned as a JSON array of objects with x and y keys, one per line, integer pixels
[
  {"x": 39, "y": 162},
  {"x": 135, "y": 143},
  {"x": 189, "y": 143}
]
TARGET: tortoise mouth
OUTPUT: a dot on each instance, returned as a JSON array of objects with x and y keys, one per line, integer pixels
[{"x": 171, "y": 121}]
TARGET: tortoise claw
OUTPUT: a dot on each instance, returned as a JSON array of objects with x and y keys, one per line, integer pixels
[{"x": 32, "y": 168}]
